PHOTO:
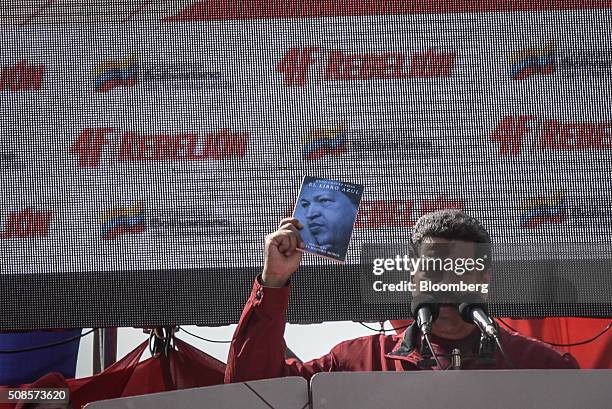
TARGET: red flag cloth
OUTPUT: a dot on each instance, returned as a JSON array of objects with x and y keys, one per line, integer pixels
[
  {"x": 593, "y": 355},
  {"x": 184, "y": 367},
  {"x": 50, "y": 380},
  {"x": 563, "y": 330},
  {"x": 108, "y": 384}
]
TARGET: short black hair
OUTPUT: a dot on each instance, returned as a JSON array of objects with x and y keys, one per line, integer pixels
[{"x": 451, "y": 224}]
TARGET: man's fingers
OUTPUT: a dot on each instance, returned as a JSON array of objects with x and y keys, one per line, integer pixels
[
  {"x": 293, "y": 244},
  {"x": 291, "y": 228},
  {"x": 283, "y": 243},
  {"x": 287, "y": 238},
  {"x": 290, "y": 221},
  {"x": 286, "y": 241}
]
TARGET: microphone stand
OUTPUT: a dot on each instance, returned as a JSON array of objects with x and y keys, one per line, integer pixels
[
  {"x": 486, "y": 351},
  {"x": 427, "y": 358}
]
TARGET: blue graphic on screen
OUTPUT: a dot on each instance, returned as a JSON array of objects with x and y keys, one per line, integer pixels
[{"x": 328, "y": 210}]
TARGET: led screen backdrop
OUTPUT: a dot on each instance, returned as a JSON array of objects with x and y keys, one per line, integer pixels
[{"x": 143, "y": 164}]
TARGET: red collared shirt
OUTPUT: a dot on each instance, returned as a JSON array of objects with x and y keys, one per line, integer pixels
[{"x": 258, "y": 347}]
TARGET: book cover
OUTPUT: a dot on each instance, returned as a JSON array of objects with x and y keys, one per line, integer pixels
[{"x": 328, "y": 210}]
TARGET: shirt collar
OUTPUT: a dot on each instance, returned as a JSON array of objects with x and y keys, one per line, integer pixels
[
  {"x": 407, "y": 344},
  {"x": 407, "y": 348}
]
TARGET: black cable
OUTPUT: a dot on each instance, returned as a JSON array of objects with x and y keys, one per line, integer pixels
[
  {"x": 161, "y": 342},
  {"x": 383, "y": 329},
  {"x": 433, "y": 353},
  {"x": 566, "y": 345},
  {"x": 151, "y": 340},
  {"x": 204, "y": 339},
  {"x": 511, "y": 329},
  {"x": 66, "y": 341},
  {"x": 509, "y": 363}
]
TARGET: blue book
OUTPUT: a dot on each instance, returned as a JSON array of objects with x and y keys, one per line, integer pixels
[{"x": 328, "y": 210}]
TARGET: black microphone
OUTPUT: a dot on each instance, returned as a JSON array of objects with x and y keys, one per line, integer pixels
[
  {"x": 424, "y": 309},
  {"x": 474, "y": 311}
]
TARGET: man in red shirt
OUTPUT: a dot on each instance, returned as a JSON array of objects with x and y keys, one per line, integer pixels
[{"x": 258, "y": 347}]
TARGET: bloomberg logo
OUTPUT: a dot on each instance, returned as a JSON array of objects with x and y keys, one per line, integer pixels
[
  {"x": 547, "y": 61},
  {"x": 338, "y": 140}
]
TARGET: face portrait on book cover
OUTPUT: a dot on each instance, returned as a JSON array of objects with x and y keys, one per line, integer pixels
[{"x": 328, "y": 215}]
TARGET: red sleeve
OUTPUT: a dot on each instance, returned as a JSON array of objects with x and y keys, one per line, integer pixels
[
  {"x": 558, "y": 360},
  {"x": 530, "y": 353},
  {"x": 570, "y": 361},
  {"x": 258, "y": 347}
]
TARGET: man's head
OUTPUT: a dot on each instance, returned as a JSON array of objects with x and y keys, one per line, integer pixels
[
  {"x": 328, "y": 215},
  {"x": 450, "y": 224},
  {"x": 451, "y": 235}
]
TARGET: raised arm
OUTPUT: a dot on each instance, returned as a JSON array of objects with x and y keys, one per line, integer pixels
[{"x": 258, "y": 346}]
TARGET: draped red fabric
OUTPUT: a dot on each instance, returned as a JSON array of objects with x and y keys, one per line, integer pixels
[
  {"x": 563, "y": 330},
  {"x": 108, "y": 384},
  {"x": 183, "y": 367},
  {"x": 186, "y": 367},
  {"x": 594, "y": 355}
]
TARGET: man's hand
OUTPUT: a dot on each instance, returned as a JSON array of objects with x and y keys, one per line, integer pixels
[{"x": 281, "y": 257}]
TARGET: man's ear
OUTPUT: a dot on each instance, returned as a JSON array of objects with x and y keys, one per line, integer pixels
[
  {"x": 486, "y": 279},
  {"x": 486, "y": 276}
]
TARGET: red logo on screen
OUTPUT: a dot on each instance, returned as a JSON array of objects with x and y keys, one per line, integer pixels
[
  {"x": 22, "y": 77},
  {"x": 376, "y": 214},
  {"x": 440, "y": 203},
  {"x": 26, "y": 223},
  {"x": 551, "y": 134},
  {"x": 296, "y": 65},
  {"x": 131, "y": 147},
  {"x": 510, "y": 134}
]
